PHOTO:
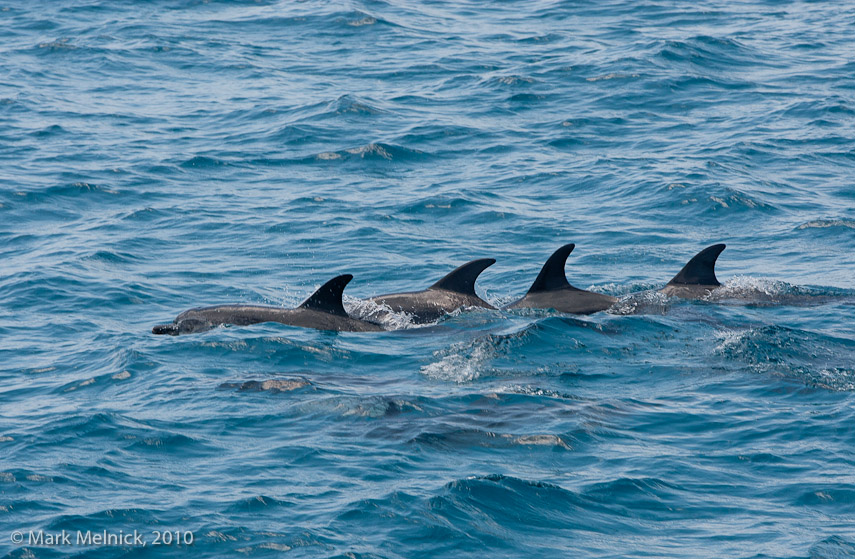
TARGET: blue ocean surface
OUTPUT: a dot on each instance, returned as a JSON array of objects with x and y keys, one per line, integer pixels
[{"x": 162, "y": 155}]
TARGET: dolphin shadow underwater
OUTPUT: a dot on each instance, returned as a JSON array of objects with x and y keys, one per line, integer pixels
[{"x": 323, "y": 310}]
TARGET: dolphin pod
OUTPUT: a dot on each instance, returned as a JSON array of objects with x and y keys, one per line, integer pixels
[{"x": 324, "y": 309}]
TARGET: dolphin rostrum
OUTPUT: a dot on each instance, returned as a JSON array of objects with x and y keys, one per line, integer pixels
[
  {"x": 551, "y": 290},
  {"x": 323, "y": 310},
  {"x": 452, "y": 292},
  {"x": 697, "y": 278}
]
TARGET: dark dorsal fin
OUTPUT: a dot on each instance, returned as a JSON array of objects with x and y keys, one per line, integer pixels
[
  {"x": 328, "y": 298},
  {"x": 462, "y": 279},
  {"x": 551, "y": 276},
  {"x": 700, "y": 270}
]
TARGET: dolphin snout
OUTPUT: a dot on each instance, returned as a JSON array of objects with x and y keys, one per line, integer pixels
[{"x": 171, "y": 329}]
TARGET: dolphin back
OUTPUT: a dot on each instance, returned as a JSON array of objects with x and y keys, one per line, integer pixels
[
  {"x": 551, "y": 276},
  {"x": 328, "y": 298},
  {"x": 462, "y": 279},
  {"x": 700, "y": 270}
]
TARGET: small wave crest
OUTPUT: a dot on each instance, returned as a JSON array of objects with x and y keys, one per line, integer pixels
[
  {"x": 510, "y": 80},
  {"x": 203, "y": 162},
  {"x": 258, "y": 503},
  {"x": 73, "y": 190},
  {"x": 360, "y": 19},
  {"x": 816, "y": 359},
  {"x": 349, "y": 104},
  {"x": 466, "y": 361},
  {"x": 270, "y": 385},
  {"x": 374, "y": 152},
  {"x": 734, "y": 199},
  {"x": 834, "y": 547},
  {"x": 704, "y": 51},
  {"x": 764, "y": 291},
  {"x": 454, "y": 439},
  {"x": 536, "y": 391},
  {"x": 826, "y": 223},
  {"x": 460, "y": 363},
  {"x": 369, "y": 407}
]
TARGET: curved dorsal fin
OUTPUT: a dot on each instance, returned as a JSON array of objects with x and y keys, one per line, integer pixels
[
  {"x": 551, "y": 276},
  {"x": 700, "y": 270},
  {"x": 462, "y": 279},
  {"x": 328, "y": 297}
]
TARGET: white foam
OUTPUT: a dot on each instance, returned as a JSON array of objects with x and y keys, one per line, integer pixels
[
  {"x": 835, "y": 379},
  {"x": 463, "y": 362},
  {"x": 647, "y": 302},
  {"x": 370, "y": 149},
  {"x": 542, "y": 440},
  {"x": 746, "y": 287},
  {"x": 729, "y": 339},
  {"x": 381, "y": 314}
]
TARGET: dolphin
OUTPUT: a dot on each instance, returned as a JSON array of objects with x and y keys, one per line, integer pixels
[
  {"x": 323, "y": 311},
  {"x": 452, "y": 292},
  {"x": 697, "y": 278},
  {"x": 551, "y": 290}
]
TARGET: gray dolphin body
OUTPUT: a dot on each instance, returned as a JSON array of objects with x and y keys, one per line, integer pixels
[
  {"x": 551, "y": 290},
  {"x": 454, "y": 291},
  {"x": 697, "y": 278},
  {"x": 322, "y": 311}
]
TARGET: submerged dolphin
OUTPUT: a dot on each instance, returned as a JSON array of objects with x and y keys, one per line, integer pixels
[
  {"x": 323, "y": 310},
  {"x": 452, "y": 292},
  {"x": 551, "y": 290},
  {"x": 697, "y": 278}
]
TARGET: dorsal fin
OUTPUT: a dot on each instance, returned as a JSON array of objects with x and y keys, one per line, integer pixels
[
  {"x": 551, "y": 276},
  {"x": 462, "y": 279},
  {"x": 700, "y": 270},
  {"x": 328, "y": 297}
]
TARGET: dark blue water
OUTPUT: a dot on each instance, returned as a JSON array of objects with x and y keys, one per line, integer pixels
[{"x": 156, "y": 156}]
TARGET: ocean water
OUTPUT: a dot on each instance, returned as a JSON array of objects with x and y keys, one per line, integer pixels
[{"x": 156, "y": 156}]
